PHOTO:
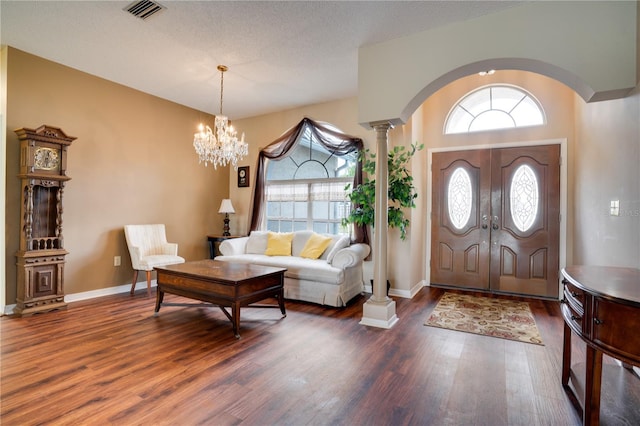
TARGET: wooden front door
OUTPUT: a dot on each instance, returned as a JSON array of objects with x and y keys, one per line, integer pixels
[{"x": 496, "y": 219}]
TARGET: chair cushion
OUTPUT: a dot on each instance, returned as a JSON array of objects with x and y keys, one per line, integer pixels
[
  {"x": 315, "y": 246},
  {"x": 147, "y": 263}
]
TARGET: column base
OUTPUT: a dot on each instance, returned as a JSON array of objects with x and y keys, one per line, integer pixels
[{"x": 379, "y": 314}]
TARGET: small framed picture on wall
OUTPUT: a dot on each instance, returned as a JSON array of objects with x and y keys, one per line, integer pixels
[{"x": 243, "y": 177}]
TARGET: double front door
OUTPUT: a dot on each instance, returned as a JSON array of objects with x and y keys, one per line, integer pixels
[{"x": 496, "y": 219}]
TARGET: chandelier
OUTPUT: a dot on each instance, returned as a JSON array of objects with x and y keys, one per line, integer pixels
[{"x": 220, "y": 147}]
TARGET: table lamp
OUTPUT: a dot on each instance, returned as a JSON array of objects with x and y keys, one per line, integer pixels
[{"x": 226, "y": 207}]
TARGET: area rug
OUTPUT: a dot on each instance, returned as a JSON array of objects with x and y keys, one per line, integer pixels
[{"x": 505, "y": 319}]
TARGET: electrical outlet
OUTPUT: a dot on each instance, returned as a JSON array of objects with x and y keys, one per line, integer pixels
[{"x": 116, "y": 260}]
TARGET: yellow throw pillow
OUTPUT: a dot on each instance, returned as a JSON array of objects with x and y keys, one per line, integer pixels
[
  {"x": 315, "y": 246},
  {"x": 279, "y": 244}
]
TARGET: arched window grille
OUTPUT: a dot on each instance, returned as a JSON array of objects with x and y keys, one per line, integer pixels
[
  {"x": 306, "y": 189},
  {"x": 321, "y": 144},
  {"x": 494, "y": 107}
]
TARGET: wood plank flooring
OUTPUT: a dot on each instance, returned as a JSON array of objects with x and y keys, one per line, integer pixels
[{"x": 110, "y": 361}]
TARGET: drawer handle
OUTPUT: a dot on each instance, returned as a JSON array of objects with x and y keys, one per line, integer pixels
[
  {"x": 576, "y": 295},
  {"x": 576, "y": 319},
  {"x": 598, "y": 321}
]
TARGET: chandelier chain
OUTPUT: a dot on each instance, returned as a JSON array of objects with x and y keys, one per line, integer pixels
[{"x": 221, "y": 89}]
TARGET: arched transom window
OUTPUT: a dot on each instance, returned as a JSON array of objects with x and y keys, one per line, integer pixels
[{"x": 494, "y": 107}]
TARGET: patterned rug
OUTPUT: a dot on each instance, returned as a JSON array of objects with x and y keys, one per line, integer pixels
[{"x": 505, "y": 319}]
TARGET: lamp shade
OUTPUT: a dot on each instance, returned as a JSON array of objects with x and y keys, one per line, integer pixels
[{"x": 226, "y": 206}]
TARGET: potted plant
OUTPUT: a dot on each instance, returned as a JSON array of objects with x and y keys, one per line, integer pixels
[{"x": 401, "y": 190}]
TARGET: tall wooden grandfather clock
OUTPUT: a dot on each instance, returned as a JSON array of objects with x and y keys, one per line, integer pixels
[{"x": 41, "y": 257}]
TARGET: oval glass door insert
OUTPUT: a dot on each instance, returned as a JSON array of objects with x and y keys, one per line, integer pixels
[
  {"x": 524, "y": 198},
  {"x": 460, "y": 198}
]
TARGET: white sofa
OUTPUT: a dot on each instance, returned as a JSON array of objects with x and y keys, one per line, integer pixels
[{"x": 333, "y": 279}]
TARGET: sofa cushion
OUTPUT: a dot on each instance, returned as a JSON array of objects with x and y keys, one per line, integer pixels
[
  {"x": 338, "y": 244},
  {"x": 279, "y": 244},
  {"x": 297, "y": 267},
  {"x": 315, "y": 246},
  {"x": 300, "y": 238},
  {"x": 334, "y": 240},
  {"x": 257, "y": 242},
  {"x": 313, "y": 270}
]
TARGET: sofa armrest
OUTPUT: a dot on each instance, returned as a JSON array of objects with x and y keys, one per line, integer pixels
[
  {"x": 170, "y": 248},
  {"x": 233, "y": 246},
  {"x": 350, "y": 256}
]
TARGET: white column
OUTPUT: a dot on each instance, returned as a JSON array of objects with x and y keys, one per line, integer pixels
[{"x": 380, "y": 310}]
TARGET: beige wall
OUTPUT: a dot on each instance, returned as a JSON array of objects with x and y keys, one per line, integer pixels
[
  {"x": 133, "y": 162},
  {"x": 607, "y": 159},
  {"x": 588, "y": 45},
  {"x": 607, "y": 168}
]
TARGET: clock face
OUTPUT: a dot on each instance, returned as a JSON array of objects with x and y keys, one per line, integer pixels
[{"x": 46, "y": 159}]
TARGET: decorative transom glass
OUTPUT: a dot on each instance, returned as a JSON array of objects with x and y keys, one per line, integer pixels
[
  {"x": 494, "y": 107},
  {"x": 460, "y": 198},
  {"x": 524, "y": 197}
]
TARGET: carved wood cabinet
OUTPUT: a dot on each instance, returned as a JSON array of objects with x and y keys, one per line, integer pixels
[{"x": 41, "y": 256}]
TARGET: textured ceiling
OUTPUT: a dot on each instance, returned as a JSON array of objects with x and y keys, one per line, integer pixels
[{"x": 280, "y": 54}]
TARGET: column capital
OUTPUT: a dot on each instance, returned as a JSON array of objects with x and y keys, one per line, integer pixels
[{"x": 381, "y": 125}]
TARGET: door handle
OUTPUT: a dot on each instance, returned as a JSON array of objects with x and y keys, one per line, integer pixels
[
  {"x": 495, "y": 225},
  {"x": 484, "y": 221}
]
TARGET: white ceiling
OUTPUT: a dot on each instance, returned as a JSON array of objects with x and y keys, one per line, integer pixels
[{"x": 280, "y": 54}]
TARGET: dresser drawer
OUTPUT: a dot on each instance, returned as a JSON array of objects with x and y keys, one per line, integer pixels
[
  {"x": 573, "y": 318},
  {"x": 615, "y": 327},
  {"x": 574, "y": 296}
]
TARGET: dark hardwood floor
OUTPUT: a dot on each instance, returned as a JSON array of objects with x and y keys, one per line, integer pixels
[{"x": 110, "y": 361}]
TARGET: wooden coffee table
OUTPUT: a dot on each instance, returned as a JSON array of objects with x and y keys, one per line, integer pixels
[{"x": 222, "y": 284}]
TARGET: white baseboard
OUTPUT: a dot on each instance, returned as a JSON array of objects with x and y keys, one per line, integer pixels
[
  {"x": 125, "y": 288},
  {"x": 92, "y": 294},
  {"x": 407, "y": 294},
  {"x": 8, "y": 309}
]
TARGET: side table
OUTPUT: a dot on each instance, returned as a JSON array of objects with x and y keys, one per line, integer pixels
[
  {"x": 214, "y": 243},
  {"x": 601, "y": 305}
]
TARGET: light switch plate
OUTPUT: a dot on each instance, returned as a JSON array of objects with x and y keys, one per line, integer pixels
[{"x": 614, "y": 210}]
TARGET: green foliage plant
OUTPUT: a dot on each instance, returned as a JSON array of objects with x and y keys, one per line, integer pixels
[{"x": 401, "y": 190}]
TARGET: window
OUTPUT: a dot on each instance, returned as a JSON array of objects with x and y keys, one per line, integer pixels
[
  {"x": 524, "y": 196},
  {"x": 494, "y": 107},
  {"x": 459, "y": 198},
  {"x": 305, "y": 190}
]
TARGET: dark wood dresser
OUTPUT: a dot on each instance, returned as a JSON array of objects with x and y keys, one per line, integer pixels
[{"x": 602, "y": 306}]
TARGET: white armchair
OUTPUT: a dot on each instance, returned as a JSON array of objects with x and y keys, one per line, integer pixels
[{"x": 149, "y": 248}]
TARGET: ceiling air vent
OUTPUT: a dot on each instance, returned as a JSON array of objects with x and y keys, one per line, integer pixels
[{"x": 144, "y": 9}]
